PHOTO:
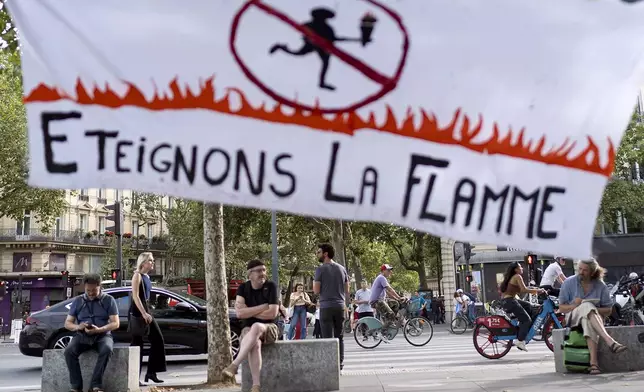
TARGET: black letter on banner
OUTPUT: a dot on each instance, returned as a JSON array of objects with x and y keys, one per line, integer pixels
[
  {"x": 120, "y": 155},
  {"x": 488, "y": 194},
  {"x": 102, "y": 136},
  {"x": 166, "y": 164},
  {"x": 279, "y": 170},
  {"x": 222, "y": 178},
  {"x": 372, "y": 183},
  {"x": 458, "y": 198},
  {"x": 328, "y": 193},
  {"x": 241, "y": 161},
  {"x": 418, "y": 160},
  {"x": 46, "y": 118},
  {"x": 534, "y": 196},
  {"x": 179, "y": 161},
  {"x": 139, "y": 166},
  {"x": 546, "y": 207}
]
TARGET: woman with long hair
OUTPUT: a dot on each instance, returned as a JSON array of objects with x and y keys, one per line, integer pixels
[
  {"x": 585, "y": 300},
  {"x": 512, "y": 286},
  {"x": 141, "y": 323},
  {"x": 299, "y": 301}
]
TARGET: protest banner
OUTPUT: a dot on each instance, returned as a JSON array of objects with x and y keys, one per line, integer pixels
[{"x": 493, "y": 121}]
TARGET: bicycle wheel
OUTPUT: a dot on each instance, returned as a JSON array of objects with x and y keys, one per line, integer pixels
[
  {"x": 458, "y": 325},
  {"x": 365, "y": 336},
  {"x": 415, "y": 328},
  {"x": 484, "y": 339}
]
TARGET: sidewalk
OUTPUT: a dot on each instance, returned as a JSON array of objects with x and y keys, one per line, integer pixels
[{"x": 509, "y": 377}]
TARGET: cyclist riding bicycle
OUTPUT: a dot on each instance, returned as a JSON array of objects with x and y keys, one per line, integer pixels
[
  {"x": 379, "y": 290},
  {"x": 553, "y": 274}
]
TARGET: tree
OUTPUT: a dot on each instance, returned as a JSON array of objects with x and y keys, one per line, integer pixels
[
  {"x": 8, "y": 39},
  {"x": 622, "y": 196},
  {"x": 219, "y": 347},
  {"x": 15, "y": 195},
  {"x": 108, "y": 263}
]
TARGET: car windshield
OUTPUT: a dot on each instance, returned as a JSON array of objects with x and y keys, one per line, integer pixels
[{"x": 191, "y": 298}]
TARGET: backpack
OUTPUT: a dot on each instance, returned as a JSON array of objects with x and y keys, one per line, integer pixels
[{"x": 575, "y": 351}]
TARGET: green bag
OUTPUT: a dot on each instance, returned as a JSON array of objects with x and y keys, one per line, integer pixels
[{"x": 575, "y": 351}]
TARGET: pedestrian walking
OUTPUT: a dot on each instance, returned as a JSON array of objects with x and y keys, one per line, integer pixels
[
  {"x": 141, "y": 324},
  {"x": 331, "y": 283}
]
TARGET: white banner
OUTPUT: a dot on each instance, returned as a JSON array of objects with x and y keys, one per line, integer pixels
[{"x": 493, "y": 121}]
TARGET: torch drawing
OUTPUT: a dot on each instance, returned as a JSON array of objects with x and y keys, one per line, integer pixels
[{"x": 367, "y": 24}]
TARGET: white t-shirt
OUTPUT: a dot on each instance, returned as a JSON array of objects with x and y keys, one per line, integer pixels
[
  {"x": 363, "y": 295},
  {"x": 550, "y": 275},
  {"x": 317, "y": 313}
]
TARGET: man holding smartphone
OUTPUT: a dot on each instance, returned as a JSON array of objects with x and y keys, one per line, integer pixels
[{"x": 92, "y": 316}]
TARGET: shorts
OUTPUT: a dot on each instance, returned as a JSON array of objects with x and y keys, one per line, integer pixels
[
  {"x": 356, "y": 315},
  {"x": 269, "y": 337}
]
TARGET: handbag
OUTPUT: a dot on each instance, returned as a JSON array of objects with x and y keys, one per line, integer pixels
[{"x": 137, "y": 326}]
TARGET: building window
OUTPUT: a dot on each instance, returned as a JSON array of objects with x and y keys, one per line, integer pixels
[
  {"x": 82, "y": 222},
  {"x": 57, "y": 227},
  {"x": 170, "y": 202},
  {"x": 135, "y": 228},
  {"x": 117, "y": 195},
  {"x": 150, "y": 231},
  {"x": 102, "y": 199},
  {"x": 101, "y": 224},
  {"x": 83, "y": 196},
  {"x": 23, "y": 227}
]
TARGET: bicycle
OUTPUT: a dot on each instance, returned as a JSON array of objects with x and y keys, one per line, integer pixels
[
  {"x": 370, "y": 329},
  {"x": 461, "y": 323},
  {"x": 499, "y": 331}
]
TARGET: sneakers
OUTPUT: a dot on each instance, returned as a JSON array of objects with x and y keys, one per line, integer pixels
[
  {"x": 231, "y": 371},
  {"x": 521, "y": 346}
]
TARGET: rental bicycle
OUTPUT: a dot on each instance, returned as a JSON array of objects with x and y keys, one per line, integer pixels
[
  {"x": 498, "y": 332},
  {"x": 418, "y": 331}
]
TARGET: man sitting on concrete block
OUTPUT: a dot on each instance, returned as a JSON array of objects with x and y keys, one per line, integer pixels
[
  {"x": 92, "y": 316},
  {"x": 257, "y": 304}
]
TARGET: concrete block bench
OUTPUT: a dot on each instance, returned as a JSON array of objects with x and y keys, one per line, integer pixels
[
  {"x": 627, "y": 361},
  {"x": 310, "y": 365},
  {"x": 121, "y": 374}
]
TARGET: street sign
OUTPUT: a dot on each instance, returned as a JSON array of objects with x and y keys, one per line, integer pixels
[{"x": 69, "y": 292}]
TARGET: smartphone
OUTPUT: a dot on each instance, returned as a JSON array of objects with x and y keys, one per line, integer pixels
[{"x": 91, "y": 326}]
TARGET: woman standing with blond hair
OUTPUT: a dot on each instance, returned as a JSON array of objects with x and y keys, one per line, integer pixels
[
  {"x": 141, "y": 323},
  {"x": 586, "y": 301}
]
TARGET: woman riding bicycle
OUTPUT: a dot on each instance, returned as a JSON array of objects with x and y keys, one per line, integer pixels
[{"x": 511, "y": 286}]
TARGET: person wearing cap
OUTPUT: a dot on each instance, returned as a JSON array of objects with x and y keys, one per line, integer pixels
[
  {"x": 379, "y": 290},
  {"x": 553, "y": 274},
  {"x": 257, "y": 305}
]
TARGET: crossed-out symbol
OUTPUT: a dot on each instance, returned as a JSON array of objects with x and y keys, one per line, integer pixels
[{"x": 387, "y": 83}]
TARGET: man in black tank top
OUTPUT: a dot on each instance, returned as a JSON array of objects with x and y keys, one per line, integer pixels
[{"x": 257, "y": 304}]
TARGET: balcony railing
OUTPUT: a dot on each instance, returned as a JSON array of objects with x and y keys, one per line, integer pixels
[
  {"x": 101, "y": 200},
  {"x": 83, "y": 197},
  {"x": 75, "y": 237}
]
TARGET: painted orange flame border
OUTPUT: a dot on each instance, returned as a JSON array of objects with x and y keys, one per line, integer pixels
[{"x": 508, "y": 143}]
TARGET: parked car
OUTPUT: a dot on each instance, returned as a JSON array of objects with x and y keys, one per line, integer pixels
[{"x": 181, "y": 317}]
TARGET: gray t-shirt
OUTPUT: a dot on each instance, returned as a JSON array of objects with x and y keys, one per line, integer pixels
[
  {"x": 333, "y": 278},
  {"x": 378, "y": 288}
]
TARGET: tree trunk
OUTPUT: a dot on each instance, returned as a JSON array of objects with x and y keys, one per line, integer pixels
[
  {"x": 289, "y": 289},
  {"x": 357, "y": 267},
  {"x": 219, "y": 349},
  {"x": 338, "y": 243}
]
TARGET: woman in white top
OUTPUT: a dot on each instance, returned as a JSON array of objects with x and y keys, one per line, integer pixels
[{"x": 299, "y": 301}]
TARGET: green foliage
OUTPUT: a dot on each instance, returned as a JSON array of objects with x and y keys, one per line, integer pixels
[
  {"x": 109, "y": 259},
  {"x": 15, "y": 195},
  {"x": 622, "y": 195},
  {"x": 8, "y": 39}
]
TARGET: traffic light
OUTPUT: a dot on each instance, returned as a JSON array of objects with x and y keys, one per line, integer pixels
[
  {"x": 116, "y": 216},
  {"x": 65, "y": 276},
  {"x": 3, "y": 288},
  {"x": 467, "y": 251},
  {"x": 468, "y": 278},
  {"x": 530, "y": 259},
  {"x": 115, "y": 274}
]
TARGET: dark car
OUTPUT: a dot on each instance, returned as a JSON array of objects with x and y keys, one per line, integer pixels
[{"x": 181, "y": 317}]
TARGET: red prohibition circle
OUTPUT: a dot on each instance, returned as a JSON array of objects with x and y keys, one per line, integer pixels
[{"x": 387, "y": 83}]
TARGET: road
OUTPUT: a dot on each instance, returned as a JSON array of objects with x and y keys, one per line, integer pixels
[{"x": 445, "y": 352}]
